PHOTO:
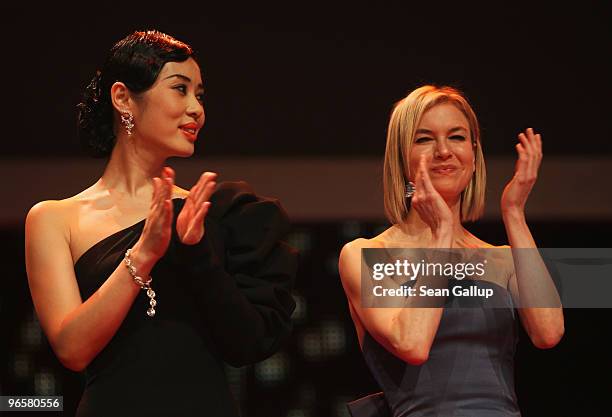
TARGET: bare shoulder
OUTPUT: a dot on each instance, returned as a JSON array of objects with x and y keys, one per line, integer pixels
[
  {"x": 500, "y": 253},
  {"x": 48, "y": 216},
  {"x": 350, "y": 256},
  {"x": 353, "y": 248},
  {"x": 500, "y": 263},
  {"x": 55, "y": 217},
  {"x": 349, "y": 262},
  {"x": 503, "y": 254},
  {"x": 47, "y": 238}
]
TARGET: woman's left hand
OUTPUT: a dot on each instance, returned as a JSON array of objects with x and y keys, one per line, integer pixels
[
  {"x": 190, "y": 221},
  {"x": 516, "y": 192}
]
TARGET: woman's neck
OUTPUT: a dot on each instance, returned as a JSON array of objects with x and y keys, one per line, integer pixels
[{"x": 130, "y": 171}]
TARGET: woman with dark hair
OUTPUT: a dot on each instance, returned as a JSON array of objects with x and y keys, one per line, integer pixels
[
  {"x": 148, "y": 287},
  {"x": 446, "y": 356}
]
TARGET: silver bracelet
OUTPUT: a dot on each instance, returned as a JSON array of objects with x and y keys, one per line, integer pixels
[{"x": 145, "y": 285}]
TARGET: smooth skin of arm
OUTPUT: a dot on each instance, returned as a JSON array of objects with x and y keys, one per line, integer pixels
[
  {"x": 77, "y": 330},
  {"x": 531, "y": 283},
  {"x": 407, "y": 332}
]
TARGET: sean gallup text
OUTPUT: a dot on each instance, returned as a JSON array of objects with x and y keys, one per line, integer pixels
[{"x": 424, "y": 291}]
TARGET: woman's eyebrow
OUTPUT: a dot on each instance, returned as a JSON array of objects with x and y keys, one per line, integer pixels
[
  {"x": 456, "y": 129},
  {"x": 183, "y": 77},
  {"x": 451, "y": 130}
]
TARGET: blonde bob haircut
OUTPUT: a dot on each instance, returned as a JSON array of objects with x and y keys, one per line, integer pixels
[{"x": 405, "y": 118}]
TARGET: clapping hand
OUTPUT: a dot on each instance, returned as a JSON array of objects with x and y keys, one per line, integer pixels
[
  {"x": 190, "y": 221},
  {"x": 430, "y": 205},
  {"x": 157, "y": 231},
  {"x": 516, "y": 192}
]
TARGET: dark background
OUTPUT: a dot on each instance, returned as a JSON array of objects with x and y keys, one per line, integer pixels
[
  {"x": 307, "y": 79},
  {"x": 320, "y": 80}
]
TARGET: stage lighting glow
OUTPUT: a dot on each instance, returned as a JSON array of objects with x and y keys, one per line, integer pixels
[
  {"x": 273, "y": 370},
  {"x": 333, "y": 337},
  {"x": 325, "y": 341},
  {"x": 31, "y": 334},
  {"x": 44, "y": 383},
  {"x": 311, "y": 346},
  {"x": 22, "y": 366}
]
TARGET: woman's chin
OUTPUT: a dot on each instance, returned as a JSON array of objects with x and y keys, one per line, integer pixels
[
  {"x": 183, "y": 151},
  {"x": 449, "y": 194}
]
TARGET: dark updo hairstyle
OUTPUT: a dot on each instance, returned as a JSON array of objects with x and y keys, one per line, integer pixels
[{"x": 135, "y": 61}]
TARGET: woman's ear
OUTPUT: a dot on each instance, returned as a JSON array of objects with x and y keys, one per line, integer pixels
[{"x": 121, "y": 97}]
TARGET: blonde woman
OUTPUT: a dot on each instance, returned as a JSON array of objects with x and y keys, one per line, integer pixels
[{"x": 446, "y": 361}]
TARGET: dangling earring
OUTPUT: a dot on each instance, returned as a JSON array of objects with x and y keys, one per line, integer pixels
[
  {"x": 410, "y": 189},
  {"x": 128, "y": 122}
]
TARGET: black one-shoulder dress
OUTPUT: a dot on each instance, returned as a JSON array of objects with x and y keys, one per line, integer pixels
[{"x": 226, "y": 299}]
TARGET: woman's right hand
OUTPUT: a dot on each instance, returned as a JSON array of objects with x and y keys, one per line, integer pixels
[
  {"x": 430, "y": 205},
  {"x": 155, "y": 237}
]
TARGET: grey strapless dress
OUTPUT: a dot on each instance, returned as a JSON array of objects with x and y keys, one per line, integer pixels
[{"x": 470, "y": 370}]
